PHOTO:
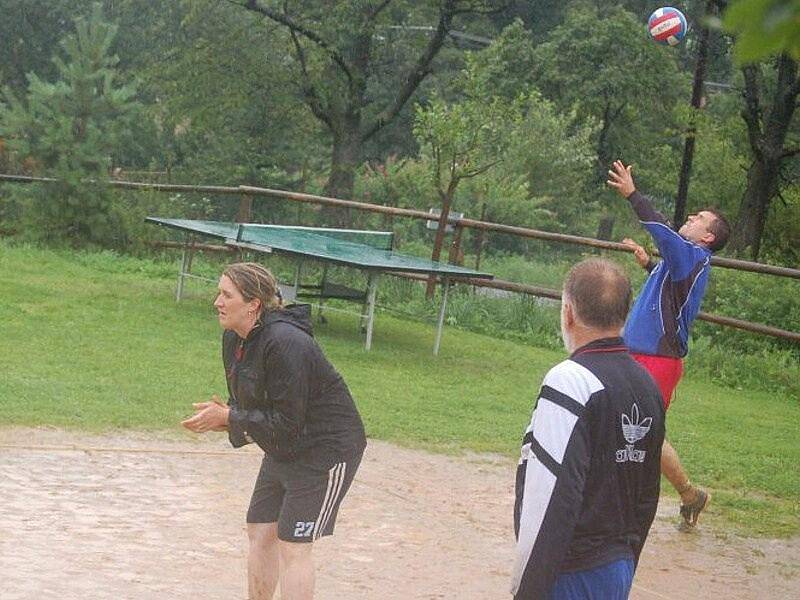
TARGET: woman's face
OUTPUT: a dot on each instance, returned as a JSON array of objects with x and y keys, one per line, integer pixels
[{"x": 233, "y": 311}]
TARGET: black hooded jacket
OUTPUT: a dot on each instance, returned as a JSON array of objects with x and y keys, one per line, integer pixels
[{"x": 285, "y": 396}]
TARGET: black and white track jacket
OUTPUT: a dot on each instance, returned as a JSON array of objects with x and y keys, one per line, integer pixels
[
  {"x": 588, "y": 479},
  {"x": 286, "y": 396}
]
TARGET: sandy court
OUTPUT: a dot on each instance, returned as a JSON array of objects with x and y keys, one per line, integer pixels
[{"x": 144, "y": 517}]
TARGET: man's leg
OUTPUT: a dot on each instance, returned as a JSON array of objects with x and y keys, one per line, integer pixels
[
  {"x": 262, "y": 560},
  {"x": 667, "y": 372},
  {"x": 693, "y": 499},
  {"x": 672, "y": 469},
  {"x": 297, "y": 571}
]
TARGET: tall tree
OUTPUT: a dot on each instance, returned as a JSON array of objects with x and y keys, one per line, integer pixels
[
  {"x": 462, "y": 141},
  {"x": 765, "y": 28},
  {"x": 72, "y": 130},
  {"x": 236, "y": 115},
  {"x": 341, "y": 48},
  {"x": 769, "y": 111},
  {"x": 551, "y": 150},
  {"x": 604, "y": 65}
]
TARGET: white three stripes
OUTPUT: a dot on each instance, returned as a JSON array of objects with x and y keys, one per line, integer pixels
[{"x": 335, "y": 481}]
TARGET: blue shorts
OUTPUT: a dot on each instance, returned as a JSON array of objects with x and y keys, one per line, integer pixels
[{"x": 611, "y": 581}]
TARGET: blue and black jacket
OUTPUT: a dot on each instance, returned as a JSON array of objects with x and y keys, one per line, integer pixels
[{"x": 662, "y": 315}]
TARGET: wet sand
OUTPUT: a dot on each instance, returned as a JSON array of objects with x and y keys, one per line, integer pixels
[{"x": 137, "y": 516}]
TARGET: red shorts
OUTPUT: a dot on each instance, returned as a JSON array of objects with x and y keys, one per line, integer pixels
[{"x": 665, "y": 370}]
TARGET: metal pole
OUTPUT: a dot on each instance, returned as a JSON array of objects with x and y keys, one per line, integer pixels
[
  {"x": 297, "y": 277},
  {"x": 186, "y": 266},
  {"x": 442, "y": 309},
  {"x": 322, "y": 292},
  {"x": 372, "y": 292}
]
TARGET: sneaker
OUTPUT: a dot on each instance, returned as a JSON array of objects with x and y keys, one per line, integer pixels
[{"x": 690, "y": 512}]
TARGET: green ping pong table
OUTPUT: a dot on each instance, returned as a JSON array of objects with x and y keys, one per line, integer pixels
[{"x": 369, "y": 251}]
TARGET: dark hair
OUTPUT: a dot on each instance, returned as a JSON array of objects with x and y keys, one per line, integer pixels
[
  {"x": 600, "y": 292},
  {"x": 255, "y": 281},
  {"x": 720, "y": 228}
]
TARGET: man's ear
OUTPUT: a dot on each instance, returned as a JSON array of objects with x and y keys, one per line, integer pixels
[
  {"x": 569, "y": 314},
  {"x": 708, "y": 239}
]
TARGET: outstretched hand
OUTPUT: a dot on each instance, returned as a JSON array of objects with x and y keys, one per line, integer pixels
[
  {"x": 208, "y": 416},
  {"x": 642, "y": 257},
  {"x": 620, "y": 178}
]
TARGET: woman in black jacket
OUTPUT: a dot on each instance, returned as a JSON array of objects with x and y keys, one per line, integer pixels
[{"x": 286, "y": 397}]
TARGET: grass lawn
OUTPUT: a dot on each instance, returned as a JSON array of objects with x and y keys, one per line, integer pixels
[{"x": 97, "y": 342}]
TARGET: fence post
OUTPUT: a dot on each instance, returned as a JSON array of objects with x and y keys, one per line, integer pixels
[
  {"x": 245, "y": 209},
  {"x": 479, "y": 240},
  {"x": 455, "y": 256}
]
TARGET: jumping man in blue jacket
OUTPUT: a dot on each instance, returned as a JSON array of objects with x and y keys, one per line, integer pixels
[{"x": 657, "y": 329}]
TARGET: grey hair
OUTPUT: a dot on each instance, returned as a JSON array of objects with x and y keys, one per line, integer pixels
[{"x": 600, "y": 292}]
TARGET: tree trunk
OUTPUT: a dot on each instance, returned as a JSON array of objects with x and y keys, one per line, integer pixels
[
  {"x": 345, "y": 122},
  {"x": 456, "y": 255},
  {"x": 749, "y": 227},
  {"x": 345, "y": 155},
  {"x": 245, "y": 212},
  {"x": 605, "y": 228},
  {"x": 438, "y": 241},
  {"x": 688, "y": 148},
  {"x": 604, "y": 156}
]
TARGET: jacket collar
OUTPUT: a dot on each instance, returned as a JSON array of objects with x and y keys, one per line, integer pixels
[{"x": 610, "y": 344}]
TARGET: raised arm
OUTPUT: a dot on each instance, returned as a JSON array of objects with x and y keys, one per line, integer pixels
[
  {"x": 679, "y": 255},
  {"x": 620, "y": 178}
]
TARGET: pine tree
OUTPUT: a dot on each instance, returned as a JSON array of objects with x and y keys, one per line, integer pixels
[{"x": 70, "y": 130}]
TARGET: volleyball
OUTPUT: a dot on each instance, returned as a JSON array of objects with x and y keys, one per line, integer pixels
[{"x": 667, "y": 25}]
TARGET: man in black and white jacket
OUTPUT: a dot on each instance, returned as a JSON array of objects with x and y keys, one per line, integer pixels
[{"x": 588, "y": 479}]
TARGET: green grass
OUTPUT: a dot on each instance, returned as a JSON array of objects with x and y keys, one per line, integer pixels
[{"x": 96, "y": 342}]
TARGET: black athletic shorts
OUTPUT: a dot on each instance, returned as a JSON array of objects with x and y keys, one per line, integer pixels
[{"x": 302, "y": 499}]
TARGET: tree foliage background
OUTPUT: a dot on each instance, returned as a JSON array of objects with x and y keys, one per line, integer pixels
[
  {"x": 333, "y": 97},
  {"x": 74, "y": 130}
]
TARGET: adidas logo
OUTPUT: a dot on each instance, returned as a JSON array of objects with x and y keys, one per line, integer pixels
[{"x": 633, "y": 430}]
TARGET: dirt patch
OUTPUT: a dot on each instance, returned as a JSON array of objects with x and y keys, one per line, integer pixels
[{"x": 143, "y": 517}]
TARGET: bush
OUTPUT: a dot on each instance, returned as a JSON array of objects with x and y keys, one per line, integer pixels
[
  {"x": 736, "y": 294},
  {"x": 765, "y": 368},
  {"x": 728, "y": 356}
]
